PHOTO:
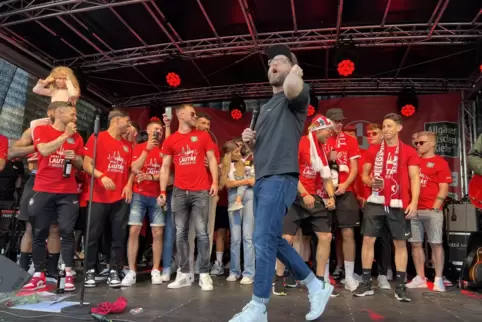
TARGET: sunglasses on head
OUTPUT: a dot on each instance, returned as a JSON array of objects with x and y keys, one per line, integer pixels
[
  {"x": 417, "y": 143},
  {"x": 370, "y": 134}
]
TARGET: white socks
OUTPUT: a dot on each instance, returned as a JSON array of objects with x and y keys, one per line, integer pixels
[
  {"x": 349, "y": 269},
  {"x": 327, "y": 272},
  {"x": 219, "y": 257}
]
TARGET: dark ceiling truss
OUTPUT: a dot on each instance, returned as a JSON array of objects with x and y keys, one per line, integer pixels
[
  {"x": 325, "y": 86},
  {"x": 15, "y": 12},
  {"x": 390, "y": 35}
]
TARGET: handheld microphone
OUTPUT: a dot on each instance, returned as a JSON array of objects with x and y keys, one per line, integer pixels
[{"x": 254, "y": 118}]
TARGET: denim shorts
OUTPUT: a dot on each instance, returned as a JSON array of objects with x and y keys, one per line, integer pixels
[{"x": 140, "y": 205}]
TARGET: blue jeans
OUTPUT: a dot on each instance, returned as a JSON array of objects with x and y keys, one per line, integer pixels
[
  {"x": 140, "y": 205},
  {"x": 241, "y": 225},
  {"x": 273, "y": 196},
  {"x": 169, "y": 235}
]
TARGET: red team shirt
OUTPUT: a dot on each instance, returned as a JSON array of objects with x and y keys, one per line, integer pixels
[
  {"x": 407, "y": 156},
  {"x": 347, "y": 149},
  {"x": 218, "y": 159},
  {"x": 309, "y": 178},
  {"x": 188, "y": 152},
  {"x": 433, "y": 171},
  {"x": 114, "y": 159},
  {"x": 50, "y": 168},
  {"x": 152, "y": 166},
  {"x": 3, "y": 147}
]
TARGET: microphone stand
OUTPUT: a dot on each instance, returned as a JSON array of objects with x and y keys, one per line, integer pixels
[{"x": 81, "y": 305}]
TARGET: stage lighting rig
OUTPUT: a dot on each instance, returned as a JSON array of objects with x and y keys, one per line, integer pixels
[
  {"x": 407, "y": 102},
  {"x": 237, "y": 107}
]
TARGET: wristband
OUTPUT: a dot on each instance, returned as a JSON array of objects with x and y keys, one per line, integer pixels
[
  {"x": 304, "y": 194},
  {"x": 163, "y": 192},
  {"x": 331, "y": 197}
]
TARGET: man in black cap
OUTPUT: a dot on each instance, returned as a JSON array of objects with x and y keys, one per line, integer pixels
[{"x": 274, "y": 142}]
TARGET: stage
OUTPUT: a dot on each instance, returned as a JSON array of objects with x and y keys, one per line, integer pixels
[{"x": 192, "y": 304}]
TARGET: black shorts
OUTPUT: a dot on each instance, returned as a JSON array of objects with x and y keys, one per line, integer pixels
[
  {"x": 26, "y": 195},
  {"x": 347, "y": 211},
  {"x": 45, "y": 206},
  {"x": 318, "y": 219},
  {"x": 376, "y": 217},
  {"x": 222, "y": 219}
]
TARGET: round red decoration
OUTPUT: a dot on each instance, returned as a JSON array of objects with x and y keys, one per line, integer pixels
[
  {"x": 346, "y": 67},
  {"x": 236, "y": 114},
  {"x": 408, "y": 110},
  {"x": 173, "y": 79},
  {"x": 311, "y": 110}
]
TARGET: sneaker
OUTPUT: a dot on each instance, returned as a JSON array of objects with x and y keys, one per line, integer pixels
[
  {"x": 364, "y": 289},
  {"x": 205, "y": 282},
  {"x": 291, "y": 282},
  {"x": 438, "y": 285},
  {"x": 447, "y": 283},
  {"x": 334, "y": 293},
  {"x": 383, "y": 283},
  {"x": 114, "y": 280},
  {"x": 417, "y": 282},
  {"x": 156, "y": 278},
  {"x": 217, "y": 269},
  {"x": 246, "y": 280},
  {"x": 232, "y": 278},
  {"x": 37, "y": 281},
  {"x": 337, "y": 273},
  {"x": 103, "y": 275},
  {"x": 129, "y": 279},
  {"x": 166, "y": 275},
  {"x": 351, "y": 284},
  {"x": 236, "y": 206},
  {"x": 252, "y": 312},
  {"x": 69, "y": 283},
  {"x": 182, "y": 280},
  {"x": 279, "y": 286},
  {"x": 318, "y": 301},
  {"x": 89, "y": 280},
  {"x": 401, "y": 294}
]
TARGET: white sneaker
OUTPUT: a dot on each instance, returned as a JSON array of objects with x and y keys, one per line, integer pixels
[
  {"x": 383, "y": 283},
  {"x": 190, "y": 275},
  {"x": 156, "y": 278},
  {"x": 417, "y": 282},
  {"x": 232, "y": 278},
  {"x": 246, "y": 281},
  {"x": 129, "y": 279},
  {"x": 252, "y": 312},
  {"x": 351, "y": 284},
  {"x": 217, "y": 269},
  {"x": 182, "y": 280},
  {"x": 166, "y": 275},
  {"x": 438, "y": 285},
  {"x": 205, "y": 282}
]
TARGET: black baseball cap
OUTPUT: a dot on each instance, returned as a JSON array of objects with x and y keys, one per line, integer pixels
[{"x": 276, "y": 50}]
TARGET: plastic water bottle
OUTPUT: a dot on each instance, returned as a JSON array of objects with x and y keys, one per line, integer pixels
[{"x": 61, "y": 280}]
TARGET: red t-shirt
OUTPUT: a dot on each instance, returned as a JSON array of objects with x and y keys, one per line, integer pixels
[
  {"x": 408, "y": 157},
  {"x": 50, "y": 168},
  {"x": 347, "y": 149},
  {"x": 3, "y": 147},
  {"x": 114, "y": 159},
  {"x": 152, "y": 166},
  {"x": 188, "y": 152},
  {"x": 83, "y": 184},
  {"x": 309, "y": 178},
  {"x": 218, "y": 159},
  {"x": 433, "y": 171},
  {"x": 360, "y": 187}
]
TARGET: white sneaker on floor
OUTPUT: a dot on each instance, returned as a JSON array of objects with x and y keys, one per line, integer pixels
[
  {"x": 351, "y": 284},
  {"x": 383, "y": 283},
  {"x": 166, "y": 275},
  {"x": 246, "y": 281},
  {"x": 156, "y": 278},
  {"x": 438, "y": 285},
  {"x": 318, "y": 301},
  {"x": 129, "y": 279},
  {"x": 417, "y": 282},
  {"x": 252, "y": 312},
  {"x": 232, "y": 278},
  {"x": 217, "y": 269},
  {"x": 182, "y": 280},
  {"x": 205, "y": 282}
]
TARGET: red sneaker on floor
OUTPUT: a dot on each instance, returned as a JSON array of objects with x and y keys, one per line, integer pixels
[
  {"x": 38, "y": 281},
  {"x": 69, "y": 283}
]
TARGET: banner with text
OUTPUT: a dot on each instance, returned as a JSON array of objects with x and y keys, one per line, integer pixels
[{"x": 436, "y": 113}]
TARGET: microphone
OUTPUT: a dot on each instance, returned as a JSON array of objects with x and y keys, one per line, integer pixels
[
  {"x": 254, "y": 118},
  {"x": 96, "y": 125}
]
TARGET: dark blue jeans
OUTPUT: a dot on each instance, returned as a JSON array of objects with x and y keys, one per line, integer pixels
[{"x": 273, "y": 196}]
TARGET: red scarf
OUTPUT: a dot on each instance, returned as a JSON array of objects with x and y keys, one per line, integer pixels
[{"x": 388, "y": 171}]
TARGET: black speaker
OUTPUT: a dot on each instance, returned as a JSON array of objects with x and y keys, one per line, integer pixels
[{"x": 12, "y": 277}]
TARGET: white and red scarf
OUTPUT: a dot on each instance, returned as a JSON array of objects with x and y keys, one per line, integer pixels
[
  {"x": 319, "y": 161},
  {"x": 388, "y": 171},
  {"x": 342, "y": 162}
]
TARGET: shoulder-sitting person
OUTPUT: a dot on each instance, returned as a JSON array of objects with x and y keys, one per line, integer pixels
[{"x": 61, "y": 85}]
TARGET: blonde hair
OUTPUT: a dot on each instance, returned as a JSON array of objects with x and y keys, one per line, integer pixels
[
  {"x": 429, "y": 134},
  {"x": 58, "y": 71},
  {"x": 226, "y": 161}
]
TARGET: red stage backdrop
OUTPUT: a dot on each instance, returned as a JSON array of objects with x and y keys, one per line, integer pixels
[{"x": 437, "y": 113}]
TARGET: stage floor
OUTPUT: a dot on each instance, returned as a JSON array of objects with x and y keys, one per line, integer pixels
[{"x": 192, "y": 304}]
